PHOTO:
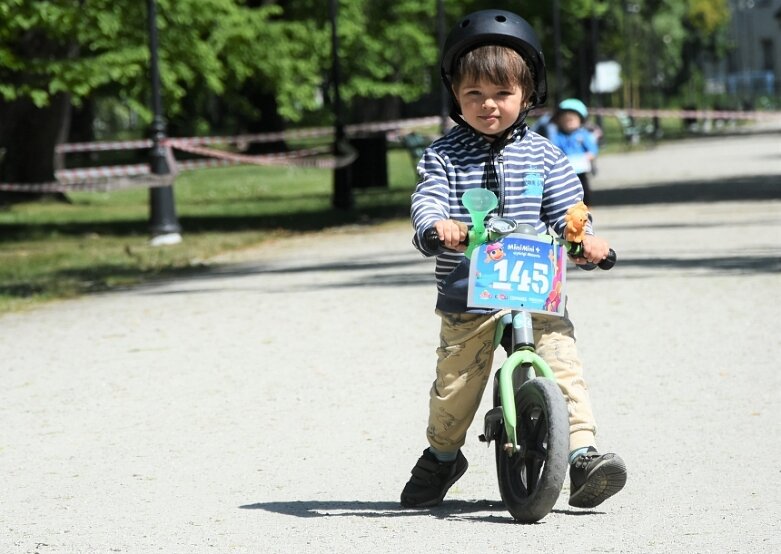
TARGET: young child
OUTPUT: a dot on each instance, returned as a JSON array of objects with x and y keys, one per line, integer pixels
[
  {"x": 493, "y": 65},
  {"x": 567, "y": 131}
]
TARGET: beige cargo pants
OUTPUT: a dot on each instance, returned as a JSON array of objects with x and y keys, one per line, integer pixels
[{"x": 464, "y": 363}]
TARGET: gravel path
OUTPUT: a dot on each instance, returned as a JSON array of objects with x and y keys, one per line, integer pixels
[{"x": 277, "y": 402}]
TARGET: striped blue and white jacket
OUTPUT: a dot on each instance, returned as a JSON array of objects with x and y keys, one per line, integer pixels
[{"x": 532, "y": 178}]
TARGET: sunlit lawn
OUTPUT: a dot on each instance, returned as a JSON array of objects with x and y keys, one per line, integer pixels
[{"x": 56, "y": 250}]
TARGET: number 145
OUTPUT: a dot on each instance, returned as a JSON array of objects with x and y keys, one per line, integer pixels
[{"x": 534, "y": 279}]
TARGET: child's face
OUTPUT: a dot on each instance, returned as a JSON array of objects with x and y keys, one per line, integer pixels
[
  {"x": 489, "y": 108},
  {"x": 568, "y": 121}
]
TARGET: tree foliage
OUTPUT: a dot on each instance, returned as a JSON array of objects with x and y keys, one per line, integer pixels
[
  {"x": 213, "y": 46},
  {"x": 239, "y": 60},
  {"x": 85, "y": 48},
  {"x": 101, "y": 46}
]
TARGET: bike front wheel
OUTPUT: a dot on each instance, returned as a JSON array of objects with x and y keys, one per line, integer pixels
[{"x": 530, "y": 479}]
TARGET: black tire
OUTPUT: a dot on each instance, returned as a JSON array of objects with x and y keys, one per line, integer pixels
[{"x": 531, "y": 479}]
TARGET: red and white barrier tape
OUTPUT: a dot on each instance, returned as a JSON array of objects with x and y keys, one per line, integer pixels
[
  {"x": 104, "y": 184},
  {"x": 86, "y": 173},
  {"x": 103, "y": 146},
  {"x": 385, "y": 126},
  {"x": 688, "y": 114},
  {"x": 302, "y": 158},
  {"x": 189, "y": 165},
  {"x": 314, "y": 132},
  {"x": 125, "y": 176}
]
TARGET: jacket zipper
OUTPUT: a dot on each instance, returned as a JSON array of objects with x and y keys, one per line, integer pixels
[{"x": 500, "y": 179}]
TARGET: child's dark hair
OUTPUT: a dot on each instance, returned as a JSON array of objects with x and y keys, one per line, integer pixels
[{"x": 496, "y": 64}]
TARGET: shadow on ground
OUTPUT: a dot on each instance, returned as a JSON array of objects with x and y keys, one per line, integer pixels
[
  {"x": 456, "y": 509},
  {"x": 754, "y": 188},
  {"x": 419, "y": 273},
  {"x": 479, "y": 510}
]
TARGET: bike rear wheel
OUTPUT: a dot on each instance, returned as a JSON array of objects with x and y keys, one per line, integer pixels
[{"x": 530, "y": 480}]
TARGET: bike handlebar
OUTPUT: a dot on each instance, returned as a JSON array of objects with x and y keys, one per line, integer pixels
[
  {"x": 576, "y": 249},
  {"x": 432, "y": 242}
]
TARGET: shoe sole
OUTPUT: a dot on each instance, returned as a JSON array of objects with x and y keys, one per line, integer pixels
[
  {"x": 437, "y": 501},
  {"x": 604, "y": 481}
]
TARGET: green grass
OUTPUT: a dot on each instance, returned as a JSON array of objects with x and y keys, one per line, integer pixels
[{"x": 53, "y": 250}]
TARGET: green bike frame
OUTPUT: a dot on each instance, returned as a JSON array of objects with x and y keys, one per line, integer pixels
[{"x": 523, "y": 357}]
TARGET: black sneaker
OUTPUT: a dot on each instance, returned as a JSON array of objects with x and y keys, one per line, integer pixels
[
  {"x": 594, "y": 478},
  {"x": 431, "y": 480}
]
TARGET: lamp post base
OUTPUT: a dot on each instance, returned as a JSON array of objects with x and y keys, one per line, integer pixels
[
  {"x": 162, "y": 216},
  {"x": 167, "y": 239}
]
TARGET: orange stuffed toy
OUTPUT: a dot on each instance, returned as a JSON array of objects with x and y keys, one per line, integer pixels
[{"x": 576, "y": 218}]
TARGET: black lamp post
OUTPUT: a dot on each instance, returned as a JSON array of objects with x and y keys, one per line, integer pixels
[
  {"x": 163, "y": 223},
  {"x": 343, "y": 192},
  {"x": 557, "y": 50},
  {"x": 596, "y": 100},
  {"x": 444, "y": 97}
]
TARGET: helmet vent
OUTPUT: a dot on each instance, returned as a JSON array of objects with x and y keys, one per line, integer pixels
[
  {"x": 465, "y": 23},
  {"x": 501, "y": 19}
]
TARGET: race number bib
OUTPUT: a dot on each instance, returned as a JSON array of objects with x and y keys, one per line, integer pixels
[{"x": 520, "y": 272}]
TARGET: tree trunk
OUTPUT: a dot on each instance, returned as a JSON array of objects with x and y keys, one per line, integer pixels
[
  {"x": 269, "y": 122},
  {"x": 29, "y": 137},
  {"x": 80, "y": 129}
]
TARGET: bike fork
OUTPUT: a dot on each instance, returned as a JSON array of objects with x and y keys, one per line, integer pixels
[{"x": 522, "y": 358}]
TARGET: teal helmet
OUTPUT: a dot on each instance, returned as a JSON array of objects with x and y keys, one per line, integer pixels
[{"x": 574, "y": 105}]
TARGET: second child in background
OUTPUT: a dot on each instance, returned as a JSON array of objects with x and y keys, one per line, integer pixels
[{"x": 567, "y": 130}]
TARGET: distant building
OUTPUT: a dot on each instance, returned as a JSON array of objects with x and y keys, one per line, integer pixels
[{"x": 753, "y": 68}]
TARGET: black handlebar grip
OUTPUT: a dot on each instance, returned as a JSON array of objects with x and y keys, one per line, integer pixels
[
  {"x": 431, "y": 240},
  {"x": 605, "y": 264},
  {"x": 576, "y": 249},
  {"x": 433, "y": 243},
  {"x": 608, "y": 262}
]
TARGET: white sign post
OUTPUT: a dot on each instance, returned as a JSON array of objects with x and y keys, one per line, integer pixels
[{"x": 607, "y": 77}]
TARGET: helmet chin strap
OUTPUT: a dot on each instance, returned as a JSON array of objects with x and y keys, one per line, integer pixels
[{"x": 519, "y": 122}]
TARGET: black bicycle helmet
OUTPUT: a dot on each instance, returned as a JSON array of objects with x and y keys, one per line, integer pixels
[{"x": 496, "y": 27}]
